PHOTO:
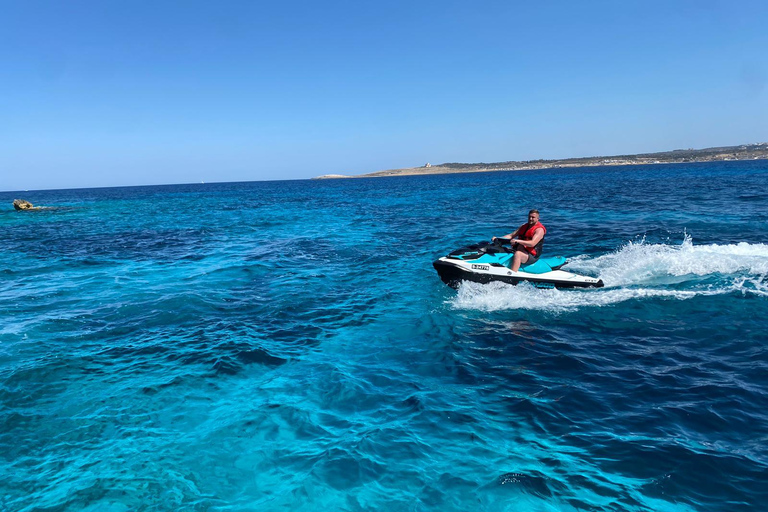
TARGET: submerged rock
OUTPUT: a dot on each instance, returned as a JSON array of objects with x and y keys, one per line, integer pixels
[{"x": 21, "y": 204}]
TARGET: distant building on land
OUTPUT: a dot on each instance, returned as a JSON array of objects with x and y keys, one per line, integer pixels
[{"x": 428, "y": 165}]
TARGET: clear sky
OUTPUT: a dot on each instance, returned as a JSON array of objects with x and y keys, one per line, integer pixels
[{"x": 106, "y": 93}]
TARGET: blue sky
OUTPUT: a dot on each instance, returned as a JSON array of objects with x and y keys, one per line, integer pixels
[{"x": 107, "y": 93}]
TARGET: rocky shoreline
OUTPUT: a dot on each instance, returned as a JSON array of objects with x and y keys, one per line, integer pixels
[{"x": 756, "y": 151}]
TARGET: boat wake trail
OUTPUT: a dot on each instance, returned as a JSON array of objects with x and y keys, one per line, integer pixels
[{"x": 638, "y": 270}]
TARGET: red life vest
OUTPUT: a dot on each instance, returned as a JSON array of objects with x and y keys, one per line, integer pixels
[{"x": 525, "y": 232}]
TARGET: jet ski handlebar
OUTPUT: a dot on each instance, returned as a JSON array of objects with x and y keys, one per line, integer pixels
[
  {"x": 501, "y": 241},
  {"x": 495, "y": 245}
]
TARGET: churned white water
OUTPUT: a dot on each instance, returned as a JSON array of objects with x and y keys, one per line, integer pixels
[{"x": 636, "y": 270}]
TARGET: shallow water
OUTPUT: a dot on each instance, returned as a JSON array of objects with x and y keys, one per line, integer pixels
[{"x": 272, "y": 345}]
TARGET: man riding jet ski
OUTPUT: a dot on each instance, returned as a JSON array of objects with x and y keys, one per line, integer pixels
[
  {"x": 486, "y": 262},
  {"x": 529, "y": 241}
]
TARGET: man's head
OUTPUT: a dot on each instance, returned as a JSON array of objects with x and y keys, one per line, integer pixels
[{"x": 533, "y": 217}]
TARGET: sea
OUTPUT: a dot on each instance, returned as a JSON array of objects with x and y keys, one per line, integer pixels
[{"x": 287, "y": 345}]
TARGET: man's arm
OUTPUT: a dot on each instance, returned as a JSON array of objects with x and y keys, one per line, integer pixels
[{"x": 537, "y": 236}]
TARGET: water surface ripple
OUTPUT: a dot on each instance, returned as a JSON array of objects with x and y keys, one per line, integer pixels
[{"x": 287, "y": 345}]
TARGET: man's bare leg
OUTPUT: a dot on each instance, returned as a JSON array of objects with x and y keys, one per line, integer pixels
[{"x": 520, "y": 258}]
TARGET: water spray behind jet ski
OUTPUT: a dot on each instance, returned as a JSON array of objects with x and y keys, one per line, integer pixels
[{"x": 486, "y": 262}]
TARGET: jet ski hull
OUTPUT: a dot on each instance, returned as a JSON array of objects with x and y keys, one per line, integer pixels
[{"x": 485, "y": 263}]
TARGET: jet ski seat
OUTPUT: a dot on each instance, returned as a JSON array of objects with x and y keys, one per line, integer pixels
[{"x": 543, "y": 265}]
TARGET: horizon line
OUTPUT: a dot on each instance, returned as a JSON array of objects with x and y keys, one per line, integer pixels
[{"x": 370, "y": 174}]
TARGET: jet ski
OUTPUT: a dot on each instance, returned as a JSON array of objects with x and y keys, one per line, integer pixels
[{"x": 485, "y": 262}]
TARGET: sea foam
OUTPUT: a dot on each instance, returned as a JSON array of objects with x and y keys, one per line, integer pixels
[{"x": 637, "y": 270}]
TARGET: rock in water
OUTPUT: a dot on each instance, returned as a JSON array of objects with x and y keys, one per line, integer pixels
[{"x": 21, "y": 204}]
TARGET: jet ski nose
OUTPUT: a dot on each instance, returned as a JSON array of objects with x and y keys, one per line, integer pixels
[{"x": 449, "y": 273}]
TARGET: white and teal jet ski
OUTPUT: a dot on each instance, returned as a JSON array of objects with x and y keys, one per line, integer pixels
[{"x": 486, "y": 262}]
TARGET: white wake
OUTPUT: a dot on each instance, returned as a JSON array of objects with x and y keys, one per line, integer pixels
[{"x": 637, "y": 270}]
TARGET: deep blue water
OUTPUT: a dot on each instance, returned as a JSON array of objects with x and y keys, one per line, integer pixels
[{"x": 288, "y": 345}]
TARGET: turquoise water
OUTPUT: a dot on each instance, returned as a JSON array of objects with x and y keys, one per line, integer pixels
[{"x": 288, "y": 345}]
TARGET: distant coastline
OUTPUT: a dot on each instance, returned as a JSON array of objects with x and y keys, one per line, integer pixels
[{"x": 756, "y": 151}]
